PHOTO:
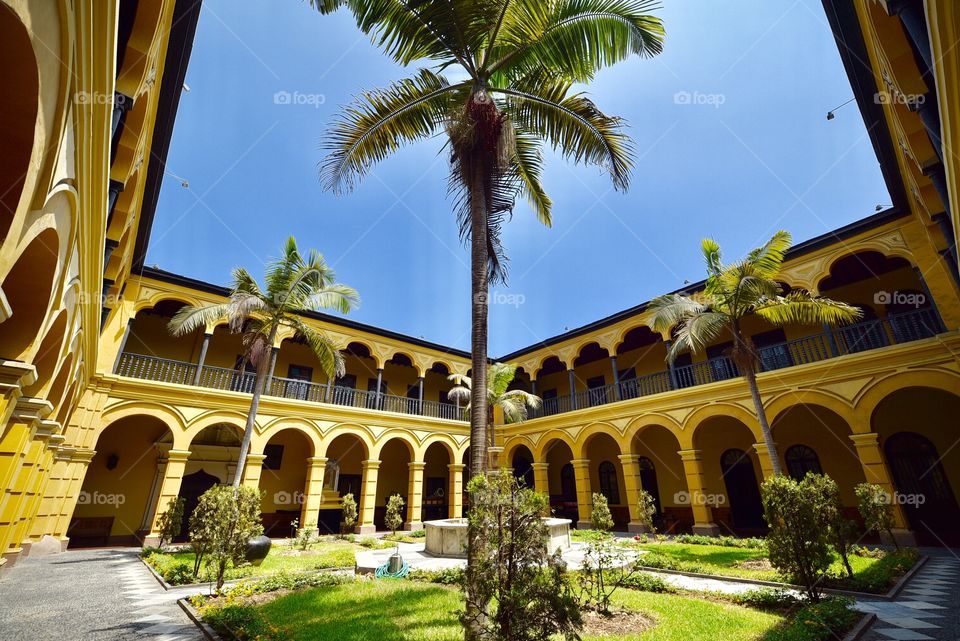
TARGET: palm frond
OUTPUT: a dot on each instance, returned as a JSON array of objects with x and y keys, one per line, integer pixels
[
  {"x": 571, "y": 123},
  {"x": 528, "y": 165},
  {"x": 697, "y": 331},
  {"x": 577, "y": 37},
  {"x": 331, "y": 358},
  {"x": 499, "y": 377},
  {"x": 767, "y": 260},
  {"x": 190, "y": 317},
  {"x": 668, "y": 310},
  {"x": 801, "y": 308},
  {"x": 712, "y": 255},
  {"x": 339, "y": 297},
  {"x": 380, "y": 122},
  {"x": 515, "y": 404}
]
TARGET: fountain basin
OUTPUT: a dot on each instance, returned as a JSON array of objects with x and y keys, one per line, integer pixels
[{"x": 448, "y": 537}]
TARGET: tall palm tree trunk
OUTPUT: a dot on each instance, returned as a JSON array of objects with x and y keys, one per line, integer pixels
[
  {"x": 476, "y": 608},
  {"x": 258, "y": 386},
  {"x": 751, "y": 375}
]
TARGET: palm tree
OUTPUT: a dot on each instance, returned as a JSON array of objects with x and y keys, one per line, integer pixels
[
  {"x": 513, "y": 403},
  {"x": 515, "y": 62},
  {"x": 748, "y": 287},
  {"x": 294, "y": 283}
]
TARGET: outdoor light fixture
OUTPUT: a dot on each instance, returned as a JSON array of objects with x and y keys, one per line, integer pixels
[
  {"x": 831, "y": 115},
  {"x": 183, "y": 181}
]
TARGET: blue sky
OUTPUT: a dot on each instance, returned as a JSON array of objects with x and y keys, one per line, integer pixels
[{"x": 729, "y": 124}]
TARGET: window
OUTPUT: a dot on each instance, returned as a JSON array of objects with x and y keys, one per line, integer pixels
[
  {"x": 801, "y": 460},
  {"x": 274, "y": 457},
  {"x": 608, "y": 483},
  {"x": 300, "y": 372}
]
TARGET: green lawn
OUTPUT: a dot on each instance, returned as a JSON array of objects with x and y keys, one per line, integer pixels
[
  {"x": 281, "y": 558},
  {"x": 407, "y": 611},
  {"x": 870, "y": 574}
]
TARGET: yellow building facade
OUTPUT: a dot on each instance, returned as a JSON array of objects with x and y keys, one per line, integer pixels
[{"x": 105, "y": 417}]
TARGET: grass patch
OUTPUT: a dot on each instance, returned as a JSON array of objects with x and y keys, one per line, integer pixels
[
  {"x": 871, "y": 574},
  {"x": 176, "y": 568}
]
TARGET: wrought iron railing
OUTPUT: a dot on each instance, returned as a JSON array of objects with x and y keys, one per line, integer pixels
[{"x": 872, "y": 334}]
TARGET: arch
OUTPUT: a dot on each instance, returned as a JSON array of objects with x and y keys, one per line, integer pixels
[
  {"x": 125, "y": 465},
  {"x": 18, "y": 120},
  {"x": 346, "y": 439},
  {"x": 169, "y": 415},
  {"x": 589, "y": 351},
  {"x": 363, "y": 349},
  {"x": 650, "y": 419},
  {"x": 552, "y": 364},
  {"x": 869, "y": 260},
  {"x": 236, "y": 420},
  {"x": 436, "y": 481},
  {"x": 48, "y": 354},
  {"x": 514, "y": 442},
  {"x": 302, "y": 426},
  {"x": 596, "y": 429},
  {"x": 161, "y": 300},
  {"x": 59, "y": 385},
  {"x": 394, "y": 435},
  {"x": 441, "y": 440},
  {"x": 870, "y": 398},
  {"x": 783, "y": 402},
  {"x": 217, "y": 435},
  {"x": 283, "y": 480},
  {"x": 703, "y": 415},
  {"x": 547, "y": 440},
  {"x": 29, "y": 287}
]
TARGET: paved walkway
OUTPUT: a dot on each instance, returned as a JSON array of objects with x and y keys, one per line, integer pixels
[
  {"x": 94, "y": 595},
  {"x": 927, "y": 608}
]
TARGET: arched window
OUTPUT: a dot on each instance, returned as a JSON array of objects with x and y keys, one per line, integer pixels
[
  {"x": 608, "y": 482},
  {"x": 568, "y": 483},
  {"x": 801, "y": 460}
]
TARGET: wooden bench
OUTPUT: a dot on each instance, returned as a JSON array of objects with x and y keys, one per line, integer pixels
[{"x": 90, "y": 530}]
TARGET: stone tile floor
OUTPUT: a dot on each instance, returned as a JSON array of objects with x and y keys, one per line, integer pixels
[
  {"x": 927, "y": 608},
  {"x": 94, "y": 595}
]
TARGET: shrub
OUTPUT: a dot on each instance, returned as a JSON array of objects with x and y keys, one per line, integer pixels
[
  {"x": 240, "y": 622},
  {"x": 534, "y": 601},
  {"x": 647, "y": 582},
  {"x": 419, "y": 534},
  {"x": 660, "y": 561},
  {"x": 648, "y": 509},
  {"x": 305, "y": 536},
  {"x": 149, "y": 551},
  {"x": 286, "y": 581},
  {"x": 765, "y": 599},
  {"x": 394, "y": 518},
  {"x": 601, "y": 517},
  {"x": 828, "y": 619},
  {"x": 881, "y": 575},
  {"x": 177, "y": 573},
  {"x": 348, "y": 514},
  {"x": 225, "y": 519},
  {"x": 446, "y": 576},
  {"x": 797, "y": 541},
  {"x": 876, "y": 508},
  {"x": 841, "y": 531},
  {"x": 170, "y": 523},
  {"x": 728, "y": 541}
]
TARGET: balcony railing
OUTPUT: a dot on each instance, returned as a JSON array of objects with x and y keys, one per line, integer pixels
[
  {"x": 222, "y": 378},
  {"x": 872, "y": 334}
]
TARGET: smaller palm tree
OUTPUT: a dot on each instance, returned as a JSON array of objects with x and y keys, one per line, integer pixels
[
  {"x": 294, "y": 283},
  {"x": 513, "y": 403},
  {"x": 748, "y": 287}
]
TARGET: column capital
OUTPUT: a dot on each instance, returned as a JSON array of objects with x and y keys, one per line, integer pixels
[
  {"x": 690, "y": 455},
  {"x": 628, "y": 458},
  {"x": 178, "y": 455},
  {"x": 863, "y": 440},
  {"x": 540, "y": 466},
  {"x": 30, "y": 409},
  {"x": 317, "y": 461},
  {"x": 83, "y": 456},
  {"x": 456, "y": 467},
  {"x": 256, "y": 458},
  {"x": 16, "y": 373},
  {"x": 371, "y": 464},
  {"x": 416, "y": 465},
  {"x": 761, "y": 448},
  {"x": 580, "y": 462}
]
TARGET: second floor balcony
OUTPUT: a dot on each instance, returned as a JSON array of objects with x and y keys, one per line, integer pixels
[{"x": 872, "y": 334}]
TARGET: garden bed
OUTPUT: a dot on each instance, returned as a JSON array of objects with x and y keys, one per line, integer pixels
[
  {"x": 176, "y": 567},
  {"x": 872, "y": 574},
  {"x": 401, "y": 610}
]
